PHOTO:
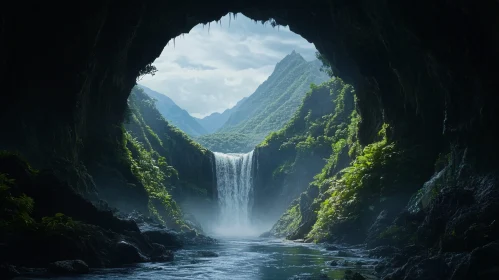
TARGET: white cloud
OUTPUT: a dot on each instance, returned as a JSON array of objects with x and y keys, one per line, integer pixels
[{"x": 211, "y": 68}]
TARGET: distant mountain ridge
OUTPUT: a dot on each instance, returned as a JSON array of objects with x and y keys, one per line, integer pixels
[
  {"x": 174, "y": 114},
  {"x": 269, "y": 108},
  {"x": 216, "y": 120}
]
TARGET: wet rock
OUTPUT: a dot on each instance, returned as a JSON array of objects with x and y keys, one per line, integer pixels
[
  {"x": 350, "y": 275},
  {"x": 127, "y": 253},
  {"x": 383, "y": 251},
  {"x": 346, "y": 254},
  {"x": 308, "y": 276},
  {"x": 161, "y": 254},
  {"x": 198, "y": 239},
  {"x": 170, "y": 239},
  {"x": 331, "y": 248},
  {"x": 207, "y": 254},
  {"x": 345, "y": 263},
  {"x": 68, "y": 267},
  {"x": 333, "y": 263},
  {"x": 482, "y": 264},
  {"x": 8, "y": 271}
]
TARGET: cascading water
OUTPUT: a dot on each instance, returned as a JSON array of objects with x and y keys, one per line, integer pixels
[{"x": 235, "y": 186}]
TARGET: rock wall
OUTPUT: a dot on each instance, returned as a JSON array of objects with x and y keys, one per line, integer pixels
[
  {"x": 427, "y": 68},
  {"x": 427, "y": 76}
]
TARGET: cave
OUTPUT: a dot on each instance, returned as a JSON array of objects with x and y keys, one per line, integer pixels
[{"x": 426, "y": 68}]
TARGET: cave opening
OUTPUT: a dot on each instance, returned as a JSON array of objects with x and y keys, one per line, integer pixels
[
  {"x": 229, "y": 84},
  {"x": 421, "y": 131}
]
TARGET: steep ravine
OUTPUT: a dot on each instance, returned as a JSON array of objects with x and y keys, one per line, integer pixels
[{"x": 423, "y": 68}]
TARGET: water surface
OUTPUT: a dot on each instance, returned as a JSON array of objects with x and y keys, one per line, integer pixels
[{"x": 239, "y": 258}]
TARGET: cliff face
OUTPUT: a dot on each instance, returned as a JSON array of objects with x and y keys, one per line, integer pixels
[
  {"x": 289, "y": 159},
  {"x": 426, "y": 68}
]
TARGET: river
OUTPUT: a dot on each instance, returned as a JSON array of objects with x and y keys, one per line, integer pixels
[{"x": 239, "y": 258}]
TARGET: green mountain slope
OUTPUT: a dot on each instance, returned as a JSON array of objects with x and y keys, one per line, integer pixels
[
  {"x": 289, "y": 159},
  {"x": 172, "y": 167},
  {"x": 272, "y": 105},
  {"x": 216, "y": 120},
  {"x": 174, "y": 114}
]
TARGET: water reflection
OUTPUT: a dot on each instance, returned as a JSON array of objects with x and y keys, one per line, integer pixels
[{"x": 258, "y": 259}]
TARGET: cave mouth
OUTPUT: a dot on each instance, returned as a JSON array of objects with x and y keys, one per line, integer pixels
[
  {"x": 228, "y": 85},
  {"x": 424, "y": 68}
]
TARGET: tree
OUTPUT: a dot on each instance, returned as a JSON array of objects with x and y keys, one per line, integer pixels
[{"x": 148, "y": 69}]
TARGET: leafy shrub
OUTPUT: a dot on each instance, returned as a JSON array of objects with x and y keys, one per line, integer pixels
[
  {"x": 16, "y": 209},
  {"x": 58, "y": 223}
]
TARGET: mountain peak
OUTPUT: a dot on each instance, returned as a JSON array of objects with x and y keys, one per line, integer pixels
[{"x": 290, "y": 59}]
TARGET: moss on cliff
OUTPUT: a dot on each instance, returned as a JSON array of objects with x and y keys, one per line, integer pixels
[
  {"x": 154, "y": 150},
  {"x": 317, "y": 138}
]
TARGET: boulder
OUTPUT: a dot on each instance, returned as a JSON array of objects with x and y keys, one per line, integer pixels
[
  {"x": 161, "y": 254},
  {"x": 333, "y": 263},
  {"x": 332, "y": 248},
  {"x": 170, "y": 239},
  {"x": 346, "y": 254},
  {"x": 127, "y": 253},
  {"x": 8, "y": 271},
  {"x": 68, "y": 267},
  {"x": 350, "y": 275}
]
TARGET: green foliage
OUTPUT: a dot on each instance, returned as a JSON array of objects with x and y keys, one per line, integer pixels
[
  {"x": 152, "y": 148},
  {"x": 318, "y": 137},
  {"x": 269, "y": 108},
  {"x": 152, "y": 171},
  {"x": 289, "y": 221},
  {"x": 149, "y": 69},
  {"x": 364, "y": 175},
  {"x": 16, "y": 209},
  {"x": 59, "y": 223},
  {"x": 230, "y": 142}
]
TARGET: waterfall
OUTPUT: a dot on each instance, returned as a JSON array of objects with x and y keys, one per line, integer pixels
[{"x": 235, "y": 186}]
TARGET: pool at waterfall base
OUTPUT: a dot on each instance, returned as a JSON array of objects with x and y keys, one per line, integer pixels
[{"x": 242, "y": 258}]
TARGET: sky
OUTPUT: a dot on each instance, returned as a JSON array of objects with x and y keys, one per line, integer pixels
[{"x": 211, "y": 68}]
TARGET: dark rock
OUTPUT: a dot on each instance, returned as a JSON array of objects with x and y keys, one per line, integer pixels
[
  {"x": 429, "y": 269},
  {"x": 380, "y": 224},
  {"x": 331, "y": 248},
  {"x": 207, "y": 254},
  {"x": 68, "y": 267},
  {"x": 345, "y": 263},
  {"x": 308, "y": 276},
  {"x": 333, "y": 263},
  {"x": 350, "y": 275},
  {"x": 8, "y": 271},
  {"x": 199, "y": 239},
  {"x": 128, "y": 253},
  {"x": 398, "y": 260},
  {"x": 346, "y": 254},
  {"x": 161, "y": 254},
  {"x": 360, "y": 263},
  {"x": 170, "y": 239},
  {"x": 383, "y": 251},
  {"x": 380, "y": 267}
]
